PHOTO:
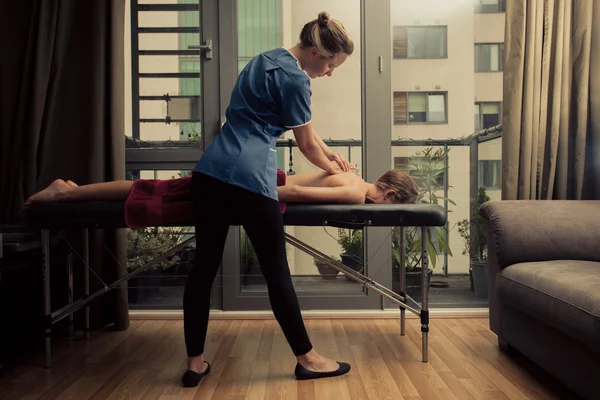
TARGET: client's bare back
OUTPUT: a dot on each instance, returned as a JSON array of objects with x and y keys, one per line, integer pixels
[{"x": 324, "y": 179}]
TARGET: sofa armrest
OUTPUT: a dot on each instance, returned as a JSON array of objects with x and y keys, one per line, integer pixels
[{"x": 543, "y": 230}]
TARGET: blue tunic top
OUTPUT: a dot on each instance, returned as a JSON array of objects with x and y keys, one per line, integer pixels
[{"x": 272, "y": 94}]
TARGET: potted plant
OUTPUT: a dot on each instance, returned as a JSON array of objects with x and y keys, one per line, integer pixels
[
  {"x": 427, "y": 167},
  {"x": 476, "y": 248},
  {"x": 143, "y": 245},
  {"x": 352, "y": 246},
  {"x": 325, "y": 270}
]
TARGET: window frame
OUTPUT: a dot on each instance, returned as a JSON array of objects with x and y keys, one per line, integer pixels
[
  {"x": 477, "y": 5},
  {"x": 427, "y": 122},
  {"x": 479, "y": 104},
  {"x": 500, "y": 57},
  {"x": 481, "y": 169},
  {"x": 408, "y": 27}
]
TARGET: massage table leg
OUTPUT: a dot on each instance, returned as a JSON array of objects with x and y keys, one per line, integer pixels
[
  {"x": 86, "y": 280},
  {"x": 402, "y": 277},
  {"x": 424, "y": 292},
  {"x": 70, "y": 277},
  {"x": 400, "y": 299},
  {"x": 46, "y": 295}
]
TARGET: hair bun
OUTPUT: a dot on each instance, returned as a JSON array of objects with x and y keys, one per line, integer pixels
[{"x": 323, "y": 18}]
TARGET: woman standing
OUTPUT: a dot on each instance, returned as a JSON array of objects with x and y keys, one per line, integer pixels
[{"x": 235, "y": 180}]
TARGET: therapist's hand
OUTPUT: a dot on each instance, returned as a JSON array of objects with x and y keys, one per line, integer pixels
[{"x": 341, "y": 161}]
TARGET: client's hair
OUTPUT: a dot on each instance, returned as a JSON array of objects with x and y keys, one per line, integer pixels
[
  {"x": 402, "y": 184},
  {"x": 328, "y": 35}
]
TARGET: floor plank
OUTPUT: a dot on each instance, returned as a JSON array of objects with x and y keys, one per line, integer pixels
[{"x": 251, "y": 360}]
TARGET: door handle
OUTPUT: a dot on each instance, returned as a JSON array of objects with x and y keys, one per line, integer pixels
[{"x": 206, "y": 46}]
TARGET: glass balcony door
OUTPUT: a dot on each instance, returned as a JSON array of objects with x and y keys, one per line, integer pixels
[{"x": 341, "y": 118}]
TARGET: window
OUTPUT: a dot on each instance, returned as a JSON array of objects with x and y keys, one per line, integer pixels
[
  {"x": 420, "y": 107},
  {"x": 489, "y": 57},
  {"x": 487, "y": 115},
  {"x": 260, "y": 28},
  {"x": 420, "y": 42},
  {"x": 489, "y": 174},
  {"x": 490, "y": 6}
]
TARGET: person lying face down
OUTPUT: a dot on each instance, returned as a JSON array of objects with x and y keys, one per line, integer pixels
[{"x": 393, "y": 187}]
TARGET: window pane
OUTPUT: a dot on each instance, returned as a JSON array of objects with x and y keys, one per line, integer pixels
[
  {"x": 416, "y": 43},
  {"x": 462, "y": 111},
  {"x": 494, "y": 57},
  {"x": 490, "y": 6},
  {"x": 435, "y": 42},
  {"x": 399, "y": 107},
  {"x": 399, "y": 42},
  {"x": 437, "y": 108},
  {"x": 417, "y": 107},
  {"x": 489, "y": 174},
  {"x": 490, "y": 108},
  {"x": 490, "y": 114},
  {"x": 490, "y": 120},
  {"x": 482, "y": 58}
]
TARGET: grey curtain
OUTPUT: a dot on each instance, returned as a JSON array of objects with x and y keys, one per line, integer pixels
[
  {"x": 62, "y": 109},
  {"x": 551, "y": 117}
]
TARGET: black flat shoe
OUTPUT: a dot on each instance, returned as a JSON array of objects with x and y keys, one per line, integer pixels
[
  {"x": 304, "y": 374},
  {"x": 193, "y": 378}
]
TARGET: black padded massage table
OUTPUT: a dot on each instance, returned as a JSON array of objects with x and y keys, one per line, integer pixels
[{"x": 107, "y": 215}]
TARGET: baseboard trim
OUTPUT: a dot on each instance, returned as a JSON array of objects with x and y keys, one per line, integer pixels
[{"x": 317, "y": 314}]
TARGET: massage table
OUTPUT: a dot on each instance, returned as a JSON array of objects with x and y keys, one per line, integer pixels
[{"x": 45, "y": 217}]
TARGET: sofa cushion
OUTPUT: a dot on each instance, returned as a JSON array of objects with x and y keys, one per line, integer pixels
[{"x": 564, "y": 294}]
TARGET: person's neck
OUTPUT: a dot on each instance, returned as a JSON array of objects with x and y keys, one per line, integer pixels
[
  {"x": 372, "y": 191},
  {"x": 299, "y": 53}
]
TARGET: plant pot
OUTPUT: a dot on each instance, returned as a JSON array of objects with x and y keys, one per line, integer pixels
[
  {"x": 480, "y": 278},
  {"x": 326, "y": 271},
  {"x": 352, "y": 261}
]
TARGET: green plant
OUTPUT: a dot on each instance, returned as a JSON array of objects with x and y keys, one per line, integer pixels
[
  {"x": 351, "y": 241},
  {"x": 145, "y": 244},
  {"x": 477, "y": 251},
  {"x": 428, "y": 168}
]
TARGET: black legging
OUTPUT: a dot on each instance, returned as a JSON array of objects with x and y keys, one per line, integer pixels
[{"x": 218, "y": 204}]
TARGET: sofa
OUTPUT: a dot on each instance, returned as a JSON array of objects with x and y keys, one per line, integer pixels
[{"x": 544, "y": 285}]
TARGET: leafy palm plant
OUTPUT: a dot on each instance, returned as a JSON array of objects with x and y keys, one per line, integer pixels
[{"x": 428, "y": 168}]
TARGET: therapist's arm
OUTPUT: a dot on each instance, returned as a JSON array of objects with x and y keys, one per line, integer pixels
[
  {"x": 309, "y": 146},
  {"x": 332, "y": 156}
]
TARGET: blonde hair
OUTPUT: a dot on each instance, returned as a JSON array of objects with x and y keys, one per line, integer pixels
[
  {"x": 404, "y": 186},
  {"x": 328, "y": 35}
]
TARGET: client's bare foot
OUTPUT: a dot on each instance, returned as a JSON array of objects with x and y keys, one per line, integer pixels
[
  {"x": 71, "y": 183},
  {"x": 51, "y": 193}
]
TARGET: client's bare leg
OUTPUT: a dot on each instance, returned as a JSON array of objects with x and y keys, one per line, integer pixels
[{"x": 60, "y": 190}]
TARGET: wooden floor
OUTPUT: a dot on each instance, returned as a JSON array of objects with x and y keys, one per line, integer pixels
[{"x": 251, "y": 360}]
